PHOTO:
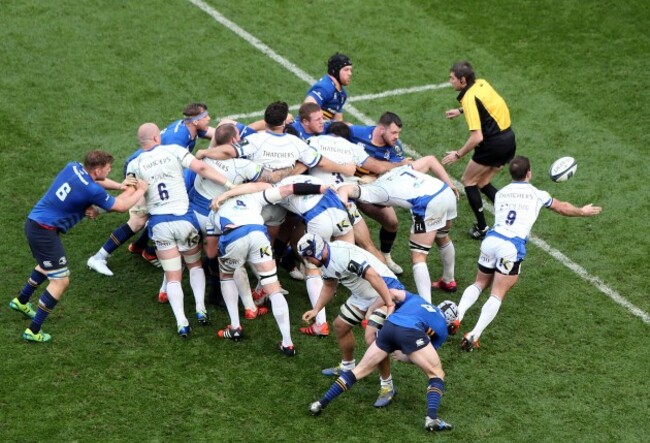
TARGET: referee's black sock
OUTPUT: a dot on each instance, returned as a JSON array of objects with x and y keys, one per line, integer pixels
[
  {"x": 386, "y": 240},
  {"x": 475, "y": 202},
  {"x": 489, "y": 191}
]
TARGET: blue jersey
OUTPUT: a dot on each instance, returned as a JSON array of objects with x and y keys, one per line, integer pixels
[
  {"x": 306, "y": 135},
  {"x": 177, "y": 133},
  {"x": 244, "y": 131},
  {"x": 415, "y": 313},
  {"x": 362, "y": 135},
  {"x": 71, "y": 193},
  {"x": 329, "y": 99}
]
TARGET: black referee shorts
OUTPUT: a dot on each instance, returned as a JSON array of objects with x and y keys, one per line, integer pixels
[{"x": 496, "y": 151}]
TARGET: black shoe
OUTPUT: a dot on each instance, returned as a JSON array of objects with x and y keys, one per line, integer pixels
[{"x": 478, "y": 234}]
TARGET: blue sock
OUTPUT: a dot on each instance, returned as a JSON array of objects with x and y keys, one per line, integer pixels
[
  {"x": 117, "y": 237},
  {"x": 45, "y": 305},
  {"x": 342, "y": 384},
  {"x": 32, "y": 284},
  {"x": 434, "y": 392}
]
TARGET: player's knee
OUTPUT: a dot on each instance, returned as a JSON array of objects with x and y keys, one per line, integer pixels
[
  {"x": 193, "y": 259},
  {"x": 418, "y": 248},
  {"x": 442, "y": 234},
  {"x": 268, "y": 277},
  {"x": 351, "y": 314},
  {"x": 173, "y": 264}
]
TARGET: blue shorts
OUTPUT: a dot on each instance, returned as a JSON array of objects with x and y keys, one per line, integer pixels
[
  {"x": 47, "y": 248},
  {"x": 392, "y": 337}
]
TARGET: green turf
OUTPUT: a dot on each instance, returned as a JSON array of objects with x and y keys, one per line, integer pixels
[{"x": 562, "y": 361}]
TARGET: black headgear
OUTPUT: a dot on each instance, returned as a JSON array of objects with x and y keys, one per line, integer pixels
[{"x": 336, "y": 63}]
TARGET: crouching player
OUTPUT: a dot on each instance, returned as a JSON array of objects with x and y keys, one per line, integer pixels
[{"x": 416, "y": 328}]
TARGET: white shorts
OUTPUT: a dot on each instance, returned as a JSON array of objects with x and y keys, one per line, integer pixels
[
  {"x": 500, "y": 254},
  {"x": 203, "y": 222},
  {"x": 360, "y": 302},
  {"x": 254, "y": 247},
  {"x": 273, "y": 215},
  {"x": 329, "y": 224},
  {"x": 179, "y": 234},
  {"x": 354, "y": 212},
  {"x": 435, "y": 215}
]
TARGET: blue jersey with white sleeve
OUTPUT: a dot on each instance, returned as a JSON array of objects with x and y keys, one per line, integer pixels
[
  {"x": 330, "y": 99},
  {"x": 65, "y": 202},
  {"x": 244, "y": 130},
  {"x": 415, "y": 313},
  {"x": 362, "y": 135}
]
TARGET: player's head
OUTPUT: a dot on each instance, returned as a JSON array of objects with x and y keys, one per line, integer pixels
[
  {"x": 340, "y": 129},
  {"x": 276, "y": 114},
  {"x": 98, "y": 164},
  {"x": 311, "y": 248},
  {"x": 390, "y": 126},
  {"x": 148, "y": 135},
  {"x": 311, "y": 117},
  {"x": 449, "y": 310},
  {"x": 196, "y": 114},
  {"x": 339, "y": 66},
  {"x": 224, "y": 134},
  {"x": 461, "y": 75},
  {"x": 519, "y": 168}
]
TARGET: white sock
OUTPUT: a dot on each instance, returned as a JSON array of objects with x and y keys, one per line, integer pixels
[
  {"x": 229, "y": 293},
  {"x": 387, "y": 382},
  {"x": 314, "y": 285},
  {"x": 422, "y": 280},
  {"x": 489, "y": 311},
  {"x": 280, "y": 310},
  {"x": 244, "y": 288},
  {"x": 470, "y": 295},
  {"x": 448, "y": 258},
  {"x": 102, "y": 254},
  {"x": 197, "y": 282},
  {"x": 348, "y": 365},
  {"x": 176, "y": 301}
]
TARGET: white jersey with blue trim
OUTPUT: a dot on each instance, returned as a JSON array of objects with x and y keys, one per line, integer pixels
[
  {"x": 299, "y": 204},
  {"x": 516, "y": 208},
  {"x": 241, "y": 210},
  {"x": 162, "y": 167},
  {"x": 276, "y": 151},
  {"x": 236, "y": 170},
  {"x": 401, "y": 186},
  {"x": 340, "y": 151},
  {"x": 348, "y": 264}
]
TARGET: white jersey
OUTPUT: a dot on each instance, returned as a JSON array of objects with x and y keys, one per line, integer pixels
[
  {"x": 340, "y": 151},
  {"x": 299, "y": 204},
  {"x": 236, "y": 170},
  {"x": 241, "y": 210},
  {"x": 347, "y": 263},
  {"x": 402, "y": 186},
  {"x": 516, "y": 208},
  {"x": 276, "y": 151},
  {"x": 162, "y": 167}
]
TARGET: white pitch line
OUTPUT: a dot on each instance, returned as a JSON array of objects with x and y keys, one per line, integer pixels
[{"x": 295, "y": 70}]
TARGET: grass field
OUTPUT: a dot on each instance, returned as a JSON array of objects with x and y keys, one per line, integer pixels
[{"x": 568, "y": 357}]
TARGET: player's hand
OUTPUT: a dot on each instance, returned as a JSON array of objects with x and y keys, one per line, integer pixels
[
  {"x": 130, "y": 180},
  {"x": 92, "y": 212},
  {"x": 200, "y": 154},
  {"x": 456, "y": 192},
  {"x": 142, "y": 185},
  {"x": 450, "y": 158},
  {"x": 309, "y": 316},
  {"x": 590, "y": 210},
  {"x": 452, "y": 113},
  {"x": 217, "y": 202}
]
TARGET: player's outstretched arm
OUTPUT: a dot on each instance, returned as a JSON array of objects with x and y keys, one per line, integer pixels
[
  {"x": 129, "y": 197},
  {"x": 568, "y": 210}
]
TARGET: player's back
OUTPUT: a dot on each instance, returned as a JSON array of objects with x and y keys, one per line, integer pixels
[
  {"x": 236, "y": 170},
  {"x": 162, "y": 167},
  {"x": 516, "y": 208},
  {"x": 416, "y": 313},
  {"x": 340, "y": 151},
  {"x": 241, "y": 210},
  {"x": 277, "y": 151},
  {"x": 402, "y": 187}
]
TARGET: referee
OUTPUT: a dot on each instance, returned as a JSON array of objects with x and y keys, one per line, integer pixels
[{"x": 490, "y": 137}]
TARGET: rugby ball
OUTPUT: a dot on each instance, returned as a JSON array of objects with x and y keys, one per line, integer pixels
[{"x": 563, "y": 169}]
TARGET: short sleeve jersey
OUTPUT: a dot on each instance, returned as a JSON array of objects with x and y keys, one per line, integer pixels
[
  {"x": 340, "y": 151},
  {"x": 348, "y": 264},
  {"x": 401, "y": 186},
  {"x": 415, "y": 313},
  {"x": 236, "y": 170},
  {"x": 177, "y": 133},
  {"x": 65, "y": 202},
  {"x": 362, "y": 135},
  {"x": 276, "y": 151},
  {"x": 516, "y": 208},
  {"x": 328, "y": 97},
  {"x": 484, "y": 109},
  {"x": 162, "y": 167}
]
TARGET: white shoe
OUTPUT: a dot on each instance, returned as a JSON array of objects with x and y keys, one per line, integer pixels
[
  {"x": 397, "y": 269},
  {"x": 99, "y": 265},
  {"x": 296, "y": 274}
]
